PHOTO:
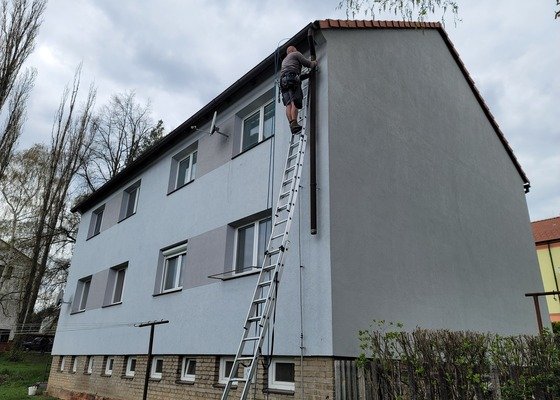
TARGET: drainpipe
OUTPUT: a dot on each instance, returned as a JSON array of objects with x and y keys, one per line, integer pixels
[
  {"x": 312, "y": 138},
  {"x": 553, "y": 269}
]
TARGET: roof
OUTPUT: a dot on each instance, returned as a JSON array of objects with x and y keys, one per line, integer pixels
[
  {"x": 546, "y": 230},
  {"x": 256, "y": 74}
]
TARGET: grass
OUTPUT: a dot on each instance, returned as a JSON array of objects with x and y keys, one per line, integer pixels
[{"x": 15, "y": 377}]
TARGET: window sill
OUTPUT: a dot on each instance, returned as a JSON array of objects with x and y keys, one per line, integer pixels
[
  {"x": 77, "y": 312},
  {"x": 125, "y": 218},
  {"x": 168, "y": 292},
  {"x": 111, "y": 305},
  {"x": 226, "y": 276},
  {"x": 279, "y": 391},
  {"x": 252, "y": 147},
  {"x": 87, "y": 373},
  {"x": 92, "y": 236},
  {"x": 106, "y": 375},
  {"x": 181, "y": 382},
  {"x": 129, "y": 377},
  {"x": 154, "y": 379},
  {"x": 223, "y": 385},
  {"x": 180, "y": 187}
]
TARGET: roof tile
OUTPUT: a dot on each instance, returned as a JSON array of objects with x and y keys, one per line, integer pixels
[{"x": 546, "y": 230}]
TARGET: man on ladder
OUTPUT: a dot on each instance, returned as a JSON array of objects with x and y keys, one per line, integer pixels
[{"x": 290, "y": 85}]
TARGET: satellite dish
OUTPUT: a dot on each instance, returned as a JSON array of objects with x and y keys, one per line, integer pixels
[{"x": 213, "y": 127}]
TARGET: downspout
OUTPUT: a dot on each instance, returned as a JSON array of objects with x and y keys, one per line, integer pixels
[
  {"x": 553, "y": 269},
  {"x": 312, "y": 137}
]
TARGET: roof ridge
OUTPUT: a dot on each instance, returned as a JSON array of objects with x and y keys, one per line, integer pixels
[{"x": 545, "y": 219}]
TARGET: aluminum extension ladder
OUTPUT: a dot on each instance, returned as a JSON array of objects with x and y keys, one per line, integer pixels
[{"x": 264, "y": 297}]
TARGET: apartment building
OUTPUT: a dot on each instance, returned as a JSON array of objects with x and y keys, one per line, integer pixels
[{"x": 421, "y": 219}]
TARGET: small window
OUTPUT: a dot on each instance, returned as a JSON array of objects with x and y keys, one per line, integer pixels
[
  {"x": 109, "y": 364},
  {"x": 130, "y": 366},
  {"x": 118, "y": 284},
  {"x": 156, "y": 372},
  {"x": 226, "y": 364},
  {"x": 82, "y": 293},
  {"x": 62, "y": 363},
  {"x": 258, "y": 126},
  {"x": 188, "y": 369},
  {"x": 281, "y": 375},
  {"x": 130, "y": 201},
  {"x": 250, "y": 244},
  {"x": 74, "y": 364},
  {"x": 89, "y": 365},
  {"x": 173, "y": 264},
  {"x": 96, "y": 221},
  {"x": 4, "y": 335}
]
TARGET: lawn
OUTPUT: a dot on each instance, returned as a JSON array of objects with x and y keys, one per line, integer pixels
[{"x": 15, "y": 377}]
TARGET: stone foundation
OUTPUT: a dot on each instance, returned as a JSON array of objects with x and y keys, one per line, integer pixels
[{"x": 318, "y": 377}]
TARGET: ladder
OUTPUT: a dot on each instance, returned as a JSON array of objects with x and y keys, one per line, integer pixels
[{"x": 264, "y": 297}]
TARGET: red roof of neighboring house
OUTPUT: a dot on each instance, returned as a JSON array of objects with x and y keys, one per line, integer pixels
[{"x": 546, "y": 230}]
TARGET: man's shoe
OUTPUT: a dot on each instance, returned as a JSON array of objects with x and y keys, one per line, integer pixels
[{"x": 295, "y": 127}]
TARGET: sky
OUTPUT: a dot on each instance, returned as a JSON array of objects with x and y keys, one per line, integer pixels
[{"x": 179, "y": 54}]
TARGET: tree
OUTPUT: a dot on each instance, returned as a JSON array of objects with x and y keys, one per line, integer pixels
[
  {"x": 19, "y": 25},
  {"x": 71, "y": 139},
  {"x": 409, "y": 10},
  {"x": 123, "y": 129}
]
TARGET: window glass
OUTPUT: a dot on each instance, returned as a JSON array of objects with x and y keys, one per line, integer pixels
[
  {"x": 245, "y": 242},
  {"x": 119, "y": 284},
  {"x": 251, "y": 130},
  {"x": 131, "y": 204},
  {"x": 98, "y": 218},
  {"x": 264, "y": 234},
  {"x": 89, "y": 364},
  {"x": 85, "y": 293},
  {"x": 157, "y": 367},
  {"x": 171, "y": 271},
  {"x": 284, "y": 372},
  {"x": 268, "y": 128},
  {"x": 188, "y": 369},
  {"x": 193, "y": 166},
  {"x": 183, "y": 171},
  {"x": 130, "y": 366}
]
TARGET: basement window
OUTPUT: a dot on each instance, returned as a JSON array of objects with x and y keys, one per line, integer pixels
[
  {"x": 281, "y": 375},
  {"x": 89, "y": 365},
  {"x": 188, "y": 369},
  {"x": 109, "y": 363},
  {"x": 226, "y": 363},
  {"x": 156, "y": 372},
  {"x": 130, "y": 367}
]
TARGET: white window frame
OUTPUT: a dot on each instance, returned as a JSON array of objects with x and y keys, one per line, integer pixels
[
  {"x": 280, "y": 385},
  {"x": 256, "y": 235},
  {"x": 89, "y": 369},
  {"x": 189, "y": 175},
  {"x": 185, "y": 363},
  {"x": 222, "y": 377},
  {"x": 83, "y": 282},
  {"x": 74, "y": 364},
  {"x": 129, "y": 372},
  {"x": 153, "y": 373},
  {"x": 117, "y": 271},
  {"x": 181, "y": 252},
  {"x": 109, "y": 365},
  {"x": 259, "y": 110},
  {"x": 62, "y": 363}
]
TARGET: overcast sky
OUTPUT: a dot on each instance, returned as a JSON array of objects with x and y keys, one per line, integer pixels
[{"x": 180, "y": 54}]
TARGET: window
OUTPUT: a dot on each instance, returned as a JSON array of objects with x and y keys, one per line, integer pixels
[
  {"x": 4, "y": 335},
  {"x": 281, "y": 375},
  {"x": 251, "y": 241},
  {"x": 258, "y": 126},
  {"x": 74, "y": 364},
  {"x": 156, "y": 372},
  {"x": 130, "y": 366},
  {"x": 89, "y": 364},
  {"x": 130, "y": 201},
  {"x": 173, "y": 264},
  {"x": 96, "y": 220},
  {"x": 188, "y": 369},
  {"x": 226, "y": 363},
  {"x": 62, "y": 363},
  {"x": 117, "y": 284},
  {"x": 186, "y": 169},
  {"x": 82, "y": 292},
  {"x": 109, "y": 363}
]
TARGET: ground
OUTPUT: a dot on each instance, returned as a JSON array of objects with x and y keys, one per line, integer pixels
[{"x": 15, "y": 377}]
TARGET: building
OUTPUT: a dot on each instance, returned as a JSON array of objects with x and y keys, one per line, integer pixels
[
  {"x": 547, "y": 240},
  {"x": 13, "y": 270},
  {"x": 421, "y": 213}
]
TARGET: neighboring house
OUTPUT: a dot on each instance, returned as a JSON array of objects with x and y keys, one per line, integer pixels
[
  {"x": 13, "y": 268},
  {"x": 422, "y": 220},
  {"x": 547, "y": 240}
]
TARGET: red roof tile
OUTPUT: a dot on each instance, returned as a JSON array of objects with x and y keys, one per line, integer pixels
[{"x": 546, "y": 230}]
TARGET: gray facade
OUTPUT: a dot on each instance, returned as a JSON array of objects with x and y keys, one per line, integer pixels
[{"x": 422, "y": 217}]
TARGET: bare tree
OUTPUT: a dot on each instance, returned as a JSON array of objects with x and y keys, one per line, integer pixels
[
  {"x": 407, "y": 9},
  {"x": 123, "y": 130},
  {"x": 19, "y": 25},
  {"x": 71, "y": 140}
]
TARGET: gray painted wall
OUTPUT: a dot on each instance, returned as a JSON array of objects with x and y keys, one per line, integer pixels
[
  {"x": 429, "y": 221},
  {"x": 207, "y": 316}
]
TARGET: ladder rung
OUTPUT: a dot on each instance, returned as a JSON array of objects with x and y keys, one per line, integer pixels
[
  {"x": 269, "y": 267},
  {"x": 282, "y": 195},
  {"x": 277, "y": 236},
  {"x": 234, "y": 380},
  {"x": 260, "y": 301},
  {"x": 294, "y": 145},
  {"x": 281, "y": 222},
  {"x": 287, "y": 181},
  {"x": 284, "y": 207},
  {"x": 290, "y": 169},
  {"x": 254, "y": 319},
  {"x": 251, "y": 338},
  {"x": 273, "y": 252},
  {"x": 265, "y": 283},
  {"x": 238, "y": 359},
  {"x": 292, "y": 157}
]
